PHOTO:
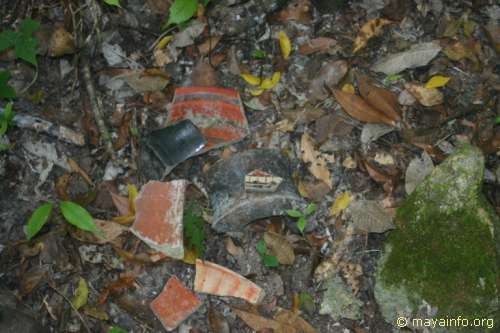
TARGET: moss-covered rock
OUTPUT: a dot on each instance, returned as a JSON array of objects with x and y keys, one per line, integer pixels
[{"x": 445, "y": 251}]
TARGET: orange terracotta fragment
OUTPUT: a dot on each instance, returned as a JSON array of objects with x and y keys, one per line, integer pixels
[
  {"x": 158, "y": 218},
  {"x": 218, "y": 280},
  {"x": 217, "y": 112},
  {"x": 174, "y": 304}
]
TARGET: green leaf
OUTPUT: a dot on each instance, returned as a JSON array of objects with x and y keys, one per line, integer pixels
[
  {"x": 4, "y": 147},
  {"x": 38, "y": 219},
  {"x": 6, "y": 118},
  {"x": 194, "y": 229},
  {"x": 259, "y": 54},
  {"x": 181, "y": 11},
  {"x": 393, "y": 78},
  {"x": 261, "y": 247},
  {"x": 7, "y": 39},
  {"x": 270, "y": 261},
  {"x": 6, "y": 91},
  {"x": 311, "y": 208},
  {"x": 78, "y": 216},
  {"x": 497, "y": 120},
  {"x": 25, "y": 49},
  {"x": 115, "y": 3},
  {"x": 115, "y": 329},
  {"x": 306, "y": 302},
  {"x": 294, "y": 213},
  {"x": 301, "y": 224},
  {"x": 81, "y": 294},
  {"x": 28, "y": 27}
]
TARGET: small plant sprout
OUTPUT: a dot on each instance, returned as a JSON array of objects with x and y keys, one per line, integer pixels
[
  {"x": 72, "y": 212},
  {"x": 267, "y": 259},
  {"x": 302, "y": 216}
]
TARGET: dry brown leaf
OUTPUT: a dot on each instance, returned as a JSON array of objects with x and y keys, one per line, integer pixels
[
  {"x": 369, "y": 30},
  {"x": 381, "y": 99},
  {"x": 329, "y": 75},
  {"x": 61, "y": 43},
  {"x": 317, "y": 162},
  {"x": 232, "y": 248},
  {"x": 217, "y": 322},
  {"x": 257, "y": 322},
  {"x": 121, "y": 203},
  {"x": 292, "y": 318},
  {"x": 204, "y": 74},
  {"x": 280, "y": 247},
  {"x": 320, "y": 45},
  {"x": 31, "y": 279},
  {"x": 76, "y": 168},
  {"x": 209, "y": 45},
  {"x": 425, "y": 96},
  {"x": 314, "y": 190},
  {"x": 357, "y": 108},
  {"x": 110, "y": 231},
  {"x": 297, "y": 10},
  {"x": 62, "y": 186},
  {"x": 117, "y": 287}
]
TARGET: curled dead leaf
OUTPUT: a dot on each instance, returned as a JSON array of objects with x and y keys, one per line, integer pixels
[
  {"x": 425, "y": 96},
  {"x": 280, "y": 247},
  {"x": 297, "y": 10},
  {"x": 319, "y": 45},
  {"x": 317, "y": 162},
  {"x": 328, "y": 76},
  {"x": 370, "y": 29},
  {"x": 382, "y": 99},
  {"x": 61, "y": 43},
  {"x": 357, "y": 108},
  {"x": 209, "y": 45}
]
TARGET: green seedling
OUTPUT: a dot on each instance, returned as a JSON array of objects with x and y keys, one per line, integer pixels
[
  {"x": 182, "y": 11},
  {"x": 259, "y": 54},
  {"x": 6, "y": 91},
  {"x": 115, "y": 3},
  {"x": 267, "y": 259},
  {"x": 193, "y": 229},
  {"x": 6, "y": 118},
  {"x": 306, "y": 302},
  {"x": 23, "y": 42},
  {"x": 497, "y": 120},
  {"x": 72, "y": 212},
  {"x": 302, "y": 216}
]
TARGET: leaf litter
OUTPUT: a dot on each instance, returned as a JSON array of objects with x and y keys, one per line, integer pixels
[{"x": 361, "y": 115}]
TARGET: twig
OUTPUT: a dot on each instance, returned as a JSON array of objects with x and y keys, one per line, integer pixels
[
  {"x": 40, "y": 125},
  {"x": 31, "y": 83},
  {"x": 72, "y": 307},
  {"x": 157, "y": 40},
  {"x": 96, "y": 106}
]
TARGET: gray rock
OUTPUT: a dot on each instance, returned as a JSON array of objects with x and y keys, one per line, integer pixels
[
  {"x": 339, "y": 301},
  {"x": 442, "y": 262}
]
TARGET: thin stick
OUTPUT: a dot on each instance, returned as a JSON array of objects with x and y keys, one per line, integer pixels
[
  {"x": 96, "y": 106},
  {"x": 72, "y": 307}
]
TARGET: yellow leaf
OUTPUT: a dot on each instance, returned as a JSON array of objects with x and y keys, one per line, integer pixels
[
  {"x": 369, "y": 30},
  {"x": 437, "y": 81},
  {"x": 132, "y": 194},
  {"x": 190, "y": 256},
  {"x": 81, "y": 294},
  {"x": 164, "y": 42},
  {"x": 341, "y": 203},
  {"x": 285, "y": 44},
  {"x": 256, "y": 92},
  {"x": 251, "y": 79},
  {"x": 270, "y": 83},
  {"x": 348, "y": 88}
]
